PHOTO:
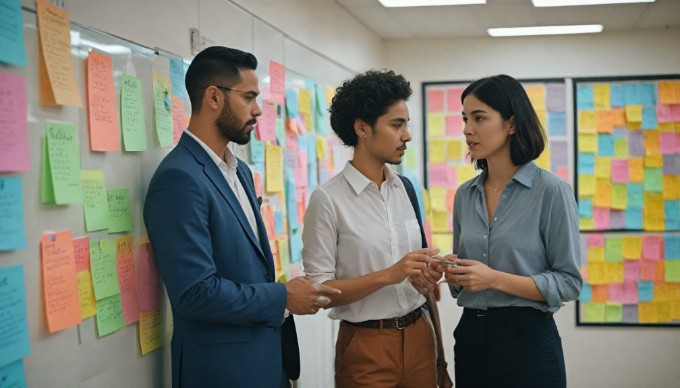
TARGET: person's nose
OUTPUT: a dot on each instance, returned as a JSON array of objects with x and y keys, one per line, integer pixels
[
  {"x": 406, "y": 136},
  {"x": 257, "y": 111}
]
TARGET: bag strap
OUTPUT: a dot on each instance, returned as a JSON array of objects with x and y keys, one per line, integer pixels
[{"x": 443, "y": 378}]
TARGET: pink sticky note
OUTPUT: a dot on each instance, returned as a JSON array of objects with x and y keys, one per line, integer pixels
[
  {"x": 127, "y": 279},
  {"x": 81, "y": 252},
  {"x": 277, "y": 80},
  {"x": 631, "y": 270},
  {"x": 301, "y": 170},
  {"x": 652, "y": 247},
  {"x": 667, "y": 141},
  {"x": 563, "y": 172},
  {"x": 663, "y": 113},
  {"x": 101, "y": 103},
  {"x": 438, "y": 175},
  {"x": 452, "y": 175},
  {"x": 13, "y": 123},
  {"x": 630, "y": 292},
  {"x": 675, "y": 112},
  {"x": 647, "y": 269},
  {"x": 149, "y": 281},
  {"x": 596, "y": 240},
  {"x": 454, "y": 125},
  {"x": 177, "y": 118},
  {"x": 620, "y": 173},
  {"x": 616, "y": 292},
  {"x": 266, "y": 124},
  {"x": 435, "y": 100},
  {"x": 453, "y": 102},
  {"x": 601, "y": 217}
]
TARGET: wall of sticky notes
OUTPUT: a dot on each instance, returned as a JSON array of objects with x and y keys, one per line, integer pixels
[
  {"x": 628, "y": 184},
  {"x": 82, "y": 130},
  {"x": 445, "y": 151}
]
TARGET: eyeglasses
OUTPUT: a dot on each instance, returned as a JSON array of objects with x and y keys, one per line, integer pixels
[{"x": 226, "y": 88}]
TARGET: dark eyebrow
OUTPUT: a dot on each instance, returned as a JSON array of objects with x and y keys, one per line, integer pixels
[
  {"x": 399, "y": 119},
  {"x": 475, "y": 111}
]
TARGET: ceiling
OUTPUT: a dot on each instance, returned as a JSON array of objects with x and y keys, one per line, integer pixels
[{"x": 473, "y": 20}]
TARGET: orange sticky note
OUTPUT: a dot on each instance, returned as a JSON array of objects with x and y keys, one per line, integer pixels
[
  {"x": 58, "y": 77},
  {"x": 101, "y": 103},
  {"x": 60, "y": 284}
]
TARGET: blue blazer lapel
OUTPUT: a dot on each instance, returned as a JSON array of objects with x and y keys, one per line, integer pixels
[
  {"x": 215, "y": 175},
  {"x": 247, "y": 184}
]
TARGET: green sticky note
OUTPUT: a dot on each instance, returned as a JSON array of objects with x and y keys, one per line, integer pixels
[
  {"x": 95, "y": 200},
  {"x": 64, "y": 161},
  {"x": 613, "y": 312},
  {"x": 281, "y": 132},
  {"x": 162, "y": 110},
  {"x": 103, "y": 268},
  {"x": 410, "y": 157},
  {"x": 119, "y": 210},
  {"x": 672, "y": 271},
  {"x": 132, "y": 113},
  {"x": 46, "y": 188},
  {"x": 593, "y": 312},
  {"x": 653, "y": 180},
  {"x": 613, "y": 249},
  {"x": 109, "y": 315}
]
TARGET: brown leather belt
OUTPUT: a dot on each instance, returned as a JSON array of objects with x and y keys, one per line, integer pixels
[{"x": 394, "y": 323}]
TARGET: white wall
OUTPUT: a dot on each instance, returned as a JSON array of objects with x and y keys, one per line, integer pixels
[{"x": 595, "y": 357}]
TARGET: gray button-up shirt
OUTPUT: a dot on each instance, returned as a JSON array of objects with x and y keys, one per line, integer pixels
[{"x": 534, "y": 232}]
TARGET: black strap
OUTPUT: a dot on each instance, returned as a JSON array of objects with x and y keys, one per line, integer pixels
[{"x": 411, "y": 192}]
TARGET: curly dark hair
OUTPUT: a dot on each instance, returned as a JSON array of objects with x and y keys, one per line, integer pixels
[{"x": 367, "y": 96}]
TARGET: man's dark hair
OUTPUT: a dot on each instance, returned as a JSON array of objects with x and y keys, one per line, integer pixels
[
  {"x": 507, "y": 96},
  {"x": 218, "y": 66},
  {"x": 367, "y": 96}
]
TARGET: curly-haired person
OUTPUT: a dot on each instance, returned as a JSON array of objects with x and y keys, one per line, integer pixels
[{"x": 362, "y": 236}]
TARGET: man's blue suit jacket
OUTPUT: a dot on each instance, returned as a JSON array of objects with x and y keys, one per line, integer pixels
[{"x": 227, "y": 308}]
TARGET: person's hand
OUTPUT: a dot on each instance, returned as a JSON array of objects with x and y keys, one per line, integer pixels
[
  {"x": 472, "y": 275},
  {"x": 412, "y": 264},
  {"x": 429, "y": 279},
  {"x": 306, "y": 298}
]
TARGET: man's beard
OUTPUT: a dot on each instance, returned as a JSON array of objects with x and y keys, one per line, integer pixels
[{"x": 231, "y": 129}]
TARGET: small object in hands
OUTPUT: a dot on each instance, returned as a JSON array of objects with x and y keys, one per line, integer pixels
[{"x": 448, "y": 263}]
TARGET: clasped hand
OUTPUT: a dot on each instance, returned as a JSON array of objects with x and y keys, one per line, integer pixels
[
  {"x": 472, "y": 275},
  {"x": 306, "y": 298},
  {"x": 415, "y": 266}
]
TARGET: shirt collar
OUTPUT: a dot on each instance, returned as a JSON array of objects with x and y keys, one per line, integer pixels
[
  {"x": 229, "y": 160},
  {"x": 359, "y": 182},
  {"x": 524, "y": 175}
]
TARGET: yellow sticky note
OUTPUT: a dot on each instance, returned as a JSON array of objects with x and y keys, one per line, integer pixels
[
  {"x": 543, "y": 160},
  {"x": 595, "y": 254},
  {"x": 647, "y": 312},
  {"x": 636, "y": 170},
  {"x": 614, "y": 272},
  {"x": 465, "y": 173},
  {"x": 601, "y": 97},
  {"x": 631, "y": 248},
  {"x": 426, "y": 200},
  {"x": 454, "y": 149},
  {"x": 586, "y": 185},
  {"x": 654, "y": 160},
  {"x": 443, "y": 241},
  {"x": 321, "y": 147},
  {"x": 603, "y": 167},
  {"x": 671, "y": 187},
  {"x": 663, "y": 312},
  {"x": 438, "y": 198},
  {"x": 330, "y": 93},
  {"x": 586, "y": 223},
  {"x": 150, "y": 330},
  {"x": 436, "y": 150},
  {"x": 273, "y": 168},
  {"x": 653, "y": 213},
  {"x": 652, "y": 142},
  {"x": 587, "y": 142},
  {"x": 597, "y": 272},
  {"x": 621, "y": 148},
  {"x": 586, "y": 122},
  {"x": 634, "y": 113},
  {"x": 435, "y": 124},
  {"x": 542, "y": 115},
  {"x": 536, "y": 95},
  {"x": 603, "y": 193},
  {"x": 440, "y": 221},
  {"x": 619, "y": 196},
  {"x": 88, "y": 304}
]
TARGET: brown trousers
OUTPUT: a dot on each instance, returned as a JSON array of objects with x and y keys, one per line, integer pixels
[{"x": 388, "y": 358}]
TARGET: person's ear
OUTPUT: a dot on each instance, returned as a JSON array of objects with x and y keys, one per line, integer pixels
[
  {"x": 212, "y": 97},
  {"x": 511, "y": 125},
  {"x": 360, "y": 128}
]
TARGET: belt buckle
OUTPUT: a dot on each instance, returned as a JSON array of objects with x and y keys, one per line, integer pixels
[
  {"x": 397, "y": 324},
  {"x": 481, "y": 313}
]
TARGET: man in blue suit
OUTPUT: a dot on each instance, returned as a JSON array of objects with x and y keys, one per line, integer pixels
[{"x": 202, "y": 217}]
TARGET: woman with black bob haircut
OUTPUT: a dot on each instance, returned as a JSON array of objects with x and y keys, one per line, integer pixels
[{"x": 516, "y": 240}]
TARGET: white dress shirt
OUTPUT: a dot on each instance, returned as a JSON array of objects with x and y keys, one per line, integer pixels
[
  {"x": 227, "y": 166},
  {"x": 352, "y": 228}
]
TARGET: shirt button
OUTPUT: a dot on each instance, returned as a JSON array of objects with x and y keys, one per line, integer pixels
[
  {"x": 484, "y": 236},
  {"x": 503, "y": 195},
  {"x": 484, "y": 254},
  {"x": 495, "y": 218}
]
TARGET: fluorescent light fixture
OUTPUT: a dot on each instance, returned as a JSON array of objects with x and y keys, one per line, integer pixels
[
  {"x": 427, "y": 3},
  {"x": 567, "y": 3},
  {"x": 546, "y": 30}
]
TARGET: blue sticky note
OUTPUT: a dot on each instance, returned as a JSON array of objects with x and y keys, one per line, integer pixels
[
  {"x": 557, "y": 123},
  {"x": 645, "y": 290},
  {"x": 585, "y": 98},
  {"x": 13, "y": 375},
  {"x": 295, "y": 245},
  {"x": 291, "y": 204},
  {"x": 616, "y": 97},
  {"x": 653, "y": 180},
  {"x": 12, "y": 37},
  {"x": 256, "y": 150},
  {"x": 648, "y": 93},
  {"x": 177, "y": 78},
  {"x": 634, "y": 218},
  {"x": 586, "y": 163},
  {"x": 649, "y": 117},
  {"x": 635, "y": 197},
  {"x": 586, "y": 293},
  {"x": 633, "y": 94},
  {"x": 12, "y": 226},
  {"x": 280, "y": 132},
  {"x": 292, "y": 104},
  {"x": 671, "y": 247},
  {"x": 278, "y": 222},
  {"x": 672, "y": 214},
  {"x": 312, "y": 175},
  {"x": 605, "y": 144},
  {"x": 14, "y": 342},
  {"x": 585, "y": 208}
]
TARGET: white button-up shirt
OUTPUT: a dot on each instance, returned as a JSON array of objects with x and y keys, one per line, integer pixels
[
  {"x": 228, "y": 166},
  {"x": 352, "y": 228}
]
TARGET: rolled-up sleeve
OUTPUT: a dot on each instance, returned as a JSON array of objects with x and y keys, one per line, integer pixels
[
  {"x": 562, "y": 281},
  {"x": 319, "y": 238},
  {"x": 456, "y": 235}
]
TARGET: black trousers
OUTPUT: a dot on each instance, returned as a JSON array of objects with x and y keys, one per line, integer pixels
[{"x": 508, "y": 347}]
